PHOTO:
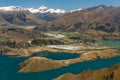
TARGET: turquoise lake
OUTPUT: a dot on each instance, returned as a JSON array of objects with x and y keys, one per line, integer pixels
[
  {"x": 58, "y": 55},
  {"x": 9, "y": 65},
  {"x": 110, "y": 43},
  {"x": 9, "y": 69}
]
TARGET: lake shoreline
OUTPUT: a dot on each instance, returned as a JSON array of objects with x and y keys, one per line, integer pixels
[
  {"x": 87, "y": 53},
  {"x": 103, "y": 54}
]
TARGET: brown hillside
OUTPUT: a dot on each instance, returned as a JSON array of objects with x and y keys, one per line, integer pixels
[
  {"x": 112, "y": 73},
  {"x": 22, "y": 18},
  {"x": 99, "y": 18}
]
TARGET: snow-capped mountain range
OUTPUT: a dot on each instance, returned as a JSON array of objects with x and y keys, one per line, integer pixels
[
  {"x": 11, "y": 8},
  {"x": 44, "y": 9},
  {"x": 41, "y": 9},
  {"x": 42, "y": 12}
]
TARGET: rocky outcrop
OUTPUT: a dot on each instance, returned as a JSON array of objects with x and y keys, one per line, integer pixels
[{"x": 48, "y": 41}]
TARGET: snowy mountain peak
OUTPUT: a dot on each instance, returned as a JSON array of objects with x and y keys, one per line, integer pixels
[
  {"x": 10, "y": 8},
  {"x": 75, "y": 10},
  {"x": 43, "y": 7},
  {"x": 33, "y": 10}
]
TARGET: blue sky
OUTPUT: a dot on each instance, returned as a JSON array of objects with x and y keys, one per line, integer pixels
[{"x": 62, "y": 4}]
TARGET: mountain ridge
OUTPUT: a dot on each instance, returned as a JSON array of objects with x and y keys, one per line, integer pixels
[
  {"x": 43, "y": 12},
  {"x": 19, "y": 18},
  {"x": 98, "y": 23},
  {"x": 41, "y": 9}
]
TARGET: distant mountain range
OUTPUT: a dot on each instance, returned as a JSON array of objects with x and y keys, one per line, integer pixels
[
  {"x": 44, "y": 9},
  {"x": 42, "y": 12},
  {"x": 41, "y": 9},
  {"x": 46, "y": 13}
]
